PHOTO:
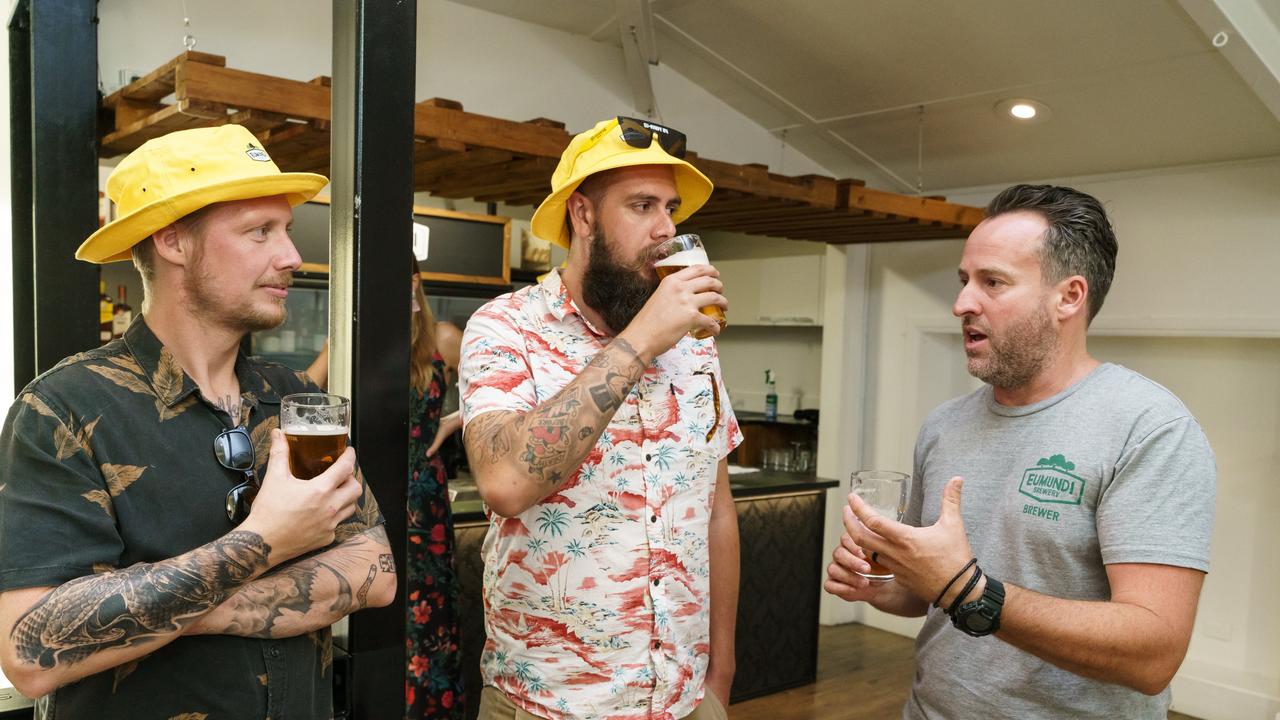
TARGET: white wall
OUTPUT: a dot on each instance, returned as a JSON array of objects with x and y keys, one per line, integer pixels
[
  {"x": 793, "y": 353},
  {"x": 1195, "y": 307}
]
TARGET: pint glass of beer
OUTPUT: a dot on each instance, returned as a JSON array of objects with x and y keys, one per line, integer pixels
[
  {"x": 886, "y": 492},
  {"x": 316, "y": 426},
  {"x": 679, "y": 253}
]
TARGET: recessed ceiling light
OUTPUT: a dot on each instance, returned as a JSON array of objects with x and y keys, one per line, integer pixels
[{"x": 1022, "y": 110}]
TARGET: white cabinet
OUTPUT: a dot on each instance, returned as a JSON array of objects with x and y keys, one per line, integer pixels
[{"x": 773, "y": 291}]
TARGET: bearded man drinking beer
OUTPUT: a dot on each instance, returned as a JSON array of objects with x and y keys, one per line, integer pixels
[{"x": 597, "y": 428}]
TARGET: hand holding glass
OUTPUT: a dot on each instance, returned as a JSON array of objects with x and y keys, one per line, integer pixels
[
  {"x": 886, "y": 492},
  {"x": 316, "y": 427},
  {"x": 679, "y": 253}
]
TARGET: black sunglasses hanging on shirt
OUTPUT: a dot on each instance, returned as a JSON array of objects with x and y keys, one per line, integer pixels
[{"x": 234, "y": 450}]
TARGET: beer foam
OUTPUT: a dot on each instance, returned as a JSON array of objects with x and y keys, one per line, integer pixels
[
  {"x": 685, "y": 258},
  {"x": 315, "y": 430}
]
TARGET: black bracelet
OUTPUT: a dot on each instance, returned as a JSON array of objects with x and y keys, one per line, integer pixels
[
  {"x": 973, "y": 580},
  {"x": 963, "y": 570}
]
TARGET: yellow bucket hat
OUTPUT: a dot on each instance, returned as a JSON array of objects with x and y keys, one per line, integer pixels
[
  {"x": 174, "y": 175},
  {"x": 603, "y": 147}
]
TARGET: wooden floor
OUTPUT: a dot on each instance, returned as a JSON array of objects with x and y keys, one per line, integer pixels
[{"x": 863, "y": 673}]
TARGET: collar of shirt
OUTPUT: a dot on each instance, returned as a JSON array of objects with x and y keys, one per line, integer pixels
[
  {"x": 172, "y": 384},
  {"x": 563, "y": 305}
]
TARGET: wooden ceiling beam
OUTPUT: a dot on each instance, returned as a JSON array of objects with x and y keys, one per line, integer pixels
[
  {"x": 444, "y": 123},
  {"x": 181, "y": 115},
  {"x": 759, "y": 209},
  {"x": 518, "y": 172},
  {"x": 431, "y": 171},
  {"x": 159, "y": 83},
  {"x": 923, "y": 208},
  {"x": 891, "y": 235},
  {"x": 461, "y": 154},
  {"x": 508, "y": 187},
  {"x": 251, "y": 91}
]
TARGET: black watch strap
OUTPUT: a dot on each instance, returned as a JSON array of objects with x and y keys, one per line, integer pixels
[{"x": 982, "y": 616}]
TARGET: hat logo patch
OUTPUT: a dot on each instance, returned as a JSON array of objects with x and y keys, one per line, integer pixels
[{"x": 256, "y": 153}]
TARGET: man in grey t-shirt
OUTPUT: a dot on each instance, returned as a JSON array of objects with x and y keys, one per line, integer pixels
[{"x": 1088, "y": 495}]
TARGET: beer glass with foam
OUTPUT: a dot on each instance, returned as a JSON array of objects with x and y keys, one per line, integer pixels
[
  {"x": 316, "y": 426},
  {"x": 679, "y": 253},
  {"x": 886, "y": 492}
]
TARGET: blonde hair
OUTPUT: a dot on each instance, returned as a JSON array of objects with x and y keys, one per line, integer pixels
[{"x": 422, "y": 340}]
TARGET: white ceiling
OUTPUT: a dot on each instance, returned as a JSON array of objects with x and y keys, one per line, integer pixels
[{"x": 1132, "y": 84}]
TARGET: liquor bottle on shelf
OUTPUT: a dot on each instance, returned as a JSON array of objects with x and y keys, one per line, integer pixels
[
  {"x": 770, "y": 397},
  {"x": 123, "y": 314},
  {"x": 106, "y": 313}
]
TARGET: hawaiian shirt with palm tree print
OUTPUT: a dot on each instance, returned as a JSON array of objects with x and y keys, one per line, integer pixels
[
  {"x": 597, "y": 598},
  {"x": 107, "y": 461}
]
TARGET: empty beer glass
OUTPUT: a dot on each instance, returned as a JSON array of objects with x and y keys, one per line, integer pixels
[
  {"x": 316, "y": 426},
  {"x": 679, "y": 253},
  {"x": 886, "y": 492}
]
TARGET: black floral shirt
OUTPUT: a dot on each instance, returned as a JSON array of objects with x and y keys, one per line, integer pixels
[{"x": 106, "y": 461}]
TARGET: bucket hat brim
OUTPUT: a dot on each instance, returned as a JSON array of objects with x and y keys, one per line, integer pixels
[
  {"x": 114, "y": 241},
  {"x": 693, "y": 187}
]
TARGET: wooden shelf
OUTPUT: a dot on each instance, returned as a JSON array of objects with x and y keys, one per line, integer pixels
[{"x": 464, "y": 155}]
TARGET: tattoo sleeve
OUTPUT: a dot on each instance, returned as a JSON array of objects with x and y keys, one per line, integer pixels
[
  {"x": 139, "y": 604},
  {"x": 548, "y": 443},
  {"x": 306, "y": 594}
]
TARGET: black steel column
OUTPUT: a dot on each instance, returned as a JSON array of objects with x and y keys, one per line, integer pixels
[
  {"x": 374, "y": 56},
  {"x": 53, "y": 76}
]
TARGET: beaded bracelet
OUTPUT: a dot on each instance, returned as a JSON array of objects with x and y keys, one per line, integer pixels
[{"x": 963, "y": 570}]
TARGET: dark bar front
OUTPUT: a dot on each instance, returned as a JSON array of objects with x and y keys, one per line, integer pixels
[{"x": 374, "y": 55}]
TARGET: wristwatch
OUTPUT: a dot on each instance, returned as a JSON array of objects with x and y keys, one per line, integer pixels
[{"x": 982, "y": 616}]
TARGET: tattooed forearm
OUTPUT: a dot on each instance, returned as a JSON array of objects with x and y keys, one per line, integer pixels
[
  {"x": 488, "y": 437},
  {"x": 362, "y": 595},
  {"x": 622, "y": 368},
  {"x": 548, "y": 443},
  {"x": 306, "y": 594},
  {"x": 138, "y": 604}
]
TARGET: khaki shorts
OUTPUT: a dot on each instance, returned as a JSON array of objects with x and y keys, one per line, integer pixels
[{"x": 494, "y": 705}]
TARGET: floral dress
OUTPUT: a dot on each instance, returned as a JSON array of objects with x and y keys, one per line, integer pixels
[{"x": 433, "y": 685}]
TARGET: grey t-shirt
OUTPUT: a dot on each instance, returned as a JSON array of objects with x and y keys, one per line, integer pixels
[{"x": 1112, "y": 470}]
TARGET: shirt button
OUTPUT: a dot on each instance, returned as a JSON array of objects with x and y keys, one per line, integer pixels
[
  {"x": 653, "y": 518},
  {"x": 657, "y": 644},
  {"x": 275, "y": 651},
  {"x": 655, "y": 582},
  {"x": 647, "y": 457}
]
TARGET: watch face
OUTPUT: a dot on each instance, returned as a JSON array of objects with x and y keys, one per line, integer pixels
[{"x": 977, "y": 622}]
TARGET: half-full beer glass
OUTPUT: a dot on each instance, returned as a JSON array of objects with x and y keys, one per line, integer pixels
[
  {"x": 886, "y": 492},
  {"x": 316, "y": 426},
  {"x": 679, "y": 253}
]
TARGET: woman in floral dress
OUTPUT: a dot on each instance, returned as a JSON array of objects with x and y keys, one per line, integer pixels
[{"x": 433, "y": 685}]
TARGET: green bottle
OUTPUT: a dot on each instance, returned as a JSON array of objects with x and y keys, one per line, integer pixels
[{"x": 770, "y": 397}]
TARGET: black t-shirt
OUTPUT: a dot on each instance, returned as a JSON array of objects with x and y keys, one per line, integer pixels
[{"x": 106, "y": 461}]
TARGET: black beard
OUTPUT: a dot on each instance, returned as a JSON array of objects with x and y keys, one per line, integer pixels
[{"x": 609, "y": 287}]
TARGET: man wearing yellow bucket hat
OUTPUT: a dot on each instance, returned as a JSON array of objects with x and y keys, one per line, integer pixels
[
  {"x": 155, "y": 550},
  {"x": 597, "y": 428}
]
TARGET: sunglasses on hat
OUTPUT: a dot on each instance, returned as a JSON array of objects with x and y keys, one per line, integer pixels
[{"x": 640, "y": 134}]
